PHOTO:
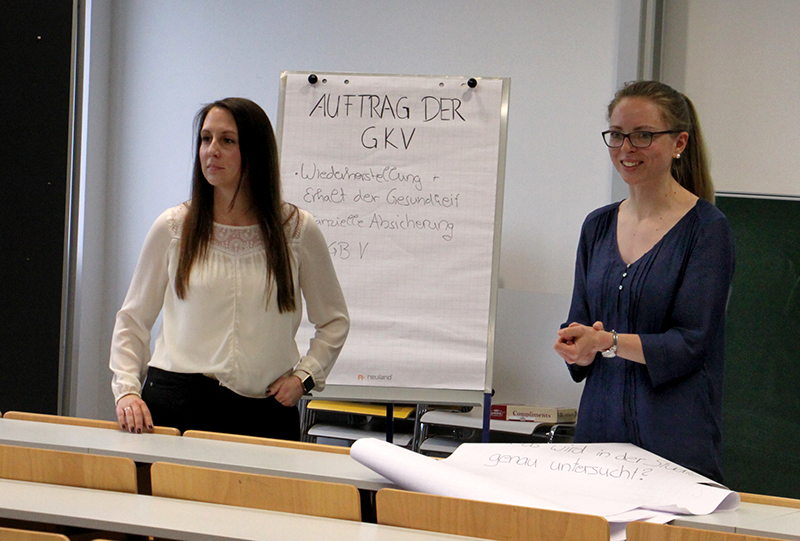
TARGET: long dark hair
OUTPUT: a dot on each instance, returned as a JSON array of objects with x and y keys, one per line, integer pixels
[
  {"x": 261, "y": 176},
  {"x": 691, "y": 169}
]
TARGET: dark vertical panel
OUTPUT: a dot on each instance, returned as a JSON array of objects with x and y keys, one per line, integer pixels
[
  {"x": 35, "y": 62},
  {"x": 761, "y": 405}
]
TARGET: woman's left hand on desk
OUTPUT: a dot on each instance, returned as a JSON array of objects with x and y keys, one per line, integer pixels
[{"x": 133, "y": 414}]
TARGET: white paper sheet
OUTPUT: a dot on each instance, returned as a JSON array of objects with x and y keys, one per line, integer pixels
[
  {"x": 420, "y": 473},
  {"x": 618, "y": 481}
]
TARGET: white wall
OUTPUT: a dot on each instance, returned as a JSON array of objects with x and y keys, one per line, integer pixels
[
  {"x": 167, "y": 58},
  {"x": 738, "y": 62}
]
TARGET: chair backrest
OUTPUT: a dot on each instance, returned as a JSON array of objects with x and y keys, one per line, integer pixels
[
  {"x": 266, "y": 441},
  {"x": 317, "y": 498},
  {"x": 770, "y": 500},
  {"x": 67, "y": 468},
  {"x": 483, "y": 519},
  {"x": 79, "y": 421},
  {"x": 649, "y": 531},
  {"x": 13, "y": 534}
]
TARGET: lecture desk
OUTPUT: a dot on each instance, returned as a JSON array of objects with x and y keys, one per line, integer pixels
[
  {"x": 751, "y": 519},
  {"x": 150, "y": 448},
  {"x": 181, "y": 519}
]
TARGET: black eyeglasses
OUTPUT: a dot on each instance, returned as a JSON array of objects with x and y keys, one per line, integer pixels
[{"x": 639, "y": 139}]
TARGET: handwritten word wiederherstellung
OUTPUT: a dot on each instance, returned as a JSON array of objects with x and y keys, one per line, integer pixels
[{"x": 379, "y": 175}]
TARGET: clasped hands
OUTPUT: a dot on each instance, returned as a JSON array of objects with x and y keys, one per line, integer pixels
[{"x": 578, "y": 344}]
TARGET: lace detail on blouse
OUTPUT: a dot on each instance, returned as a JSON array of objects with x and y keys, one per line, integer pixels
[
  {"x": 175, "y": 220},
  {"x": 295, "y": 225},
  {"x": 235, "y": 240}
]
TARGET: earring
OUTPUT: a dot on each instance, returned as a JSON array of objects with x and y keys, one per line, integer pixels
[{"x": 678, "y": 156}]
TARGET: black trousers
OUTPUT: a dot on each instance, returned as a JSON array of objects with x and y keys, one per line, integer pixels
[{"x": 197, "y": 402}]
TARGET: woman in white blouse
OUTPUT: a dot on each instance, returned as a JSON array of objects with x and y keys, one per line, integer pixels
[{"x": 228, "y": 269}]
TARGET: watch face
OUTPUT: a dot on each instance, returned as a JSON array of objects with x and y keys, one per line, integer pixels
[{"x": 308, "y": 383}]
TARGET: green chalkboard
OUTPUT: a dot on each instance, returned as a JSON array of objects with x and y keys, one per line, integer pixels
[{"x": 761, "y": 405}]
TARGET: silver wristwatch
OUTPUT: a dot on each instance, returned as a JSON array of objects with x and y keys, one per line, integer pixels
[{"x": 612, "y": 351}]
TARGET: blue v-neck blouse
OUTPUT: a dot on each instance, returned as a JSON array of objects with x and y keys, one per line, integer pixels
[{"x": 674, "y": 297}]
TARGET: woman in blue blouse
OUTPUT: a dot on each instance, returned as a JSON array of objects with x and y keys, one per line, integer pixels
[{"x": 646, "y": 325}]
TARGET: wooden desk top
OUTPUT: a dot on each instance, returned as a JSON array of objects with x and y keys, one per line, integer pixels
[
  {"x": 180, "y": 519},
  {"x": 149, "y": 448}
]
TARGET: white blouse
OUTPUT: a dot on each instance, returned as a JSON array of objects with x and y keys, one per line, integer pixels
[{"x": 223, "y": 327}]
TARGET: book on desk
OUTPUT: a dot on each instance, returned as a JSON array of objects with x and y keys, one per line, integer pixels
[{"x": 539, "y": 414}]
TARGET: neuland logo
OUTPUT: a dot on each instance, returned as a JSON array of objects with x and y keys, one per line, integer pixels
[{"x": 375, "y": 377}]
